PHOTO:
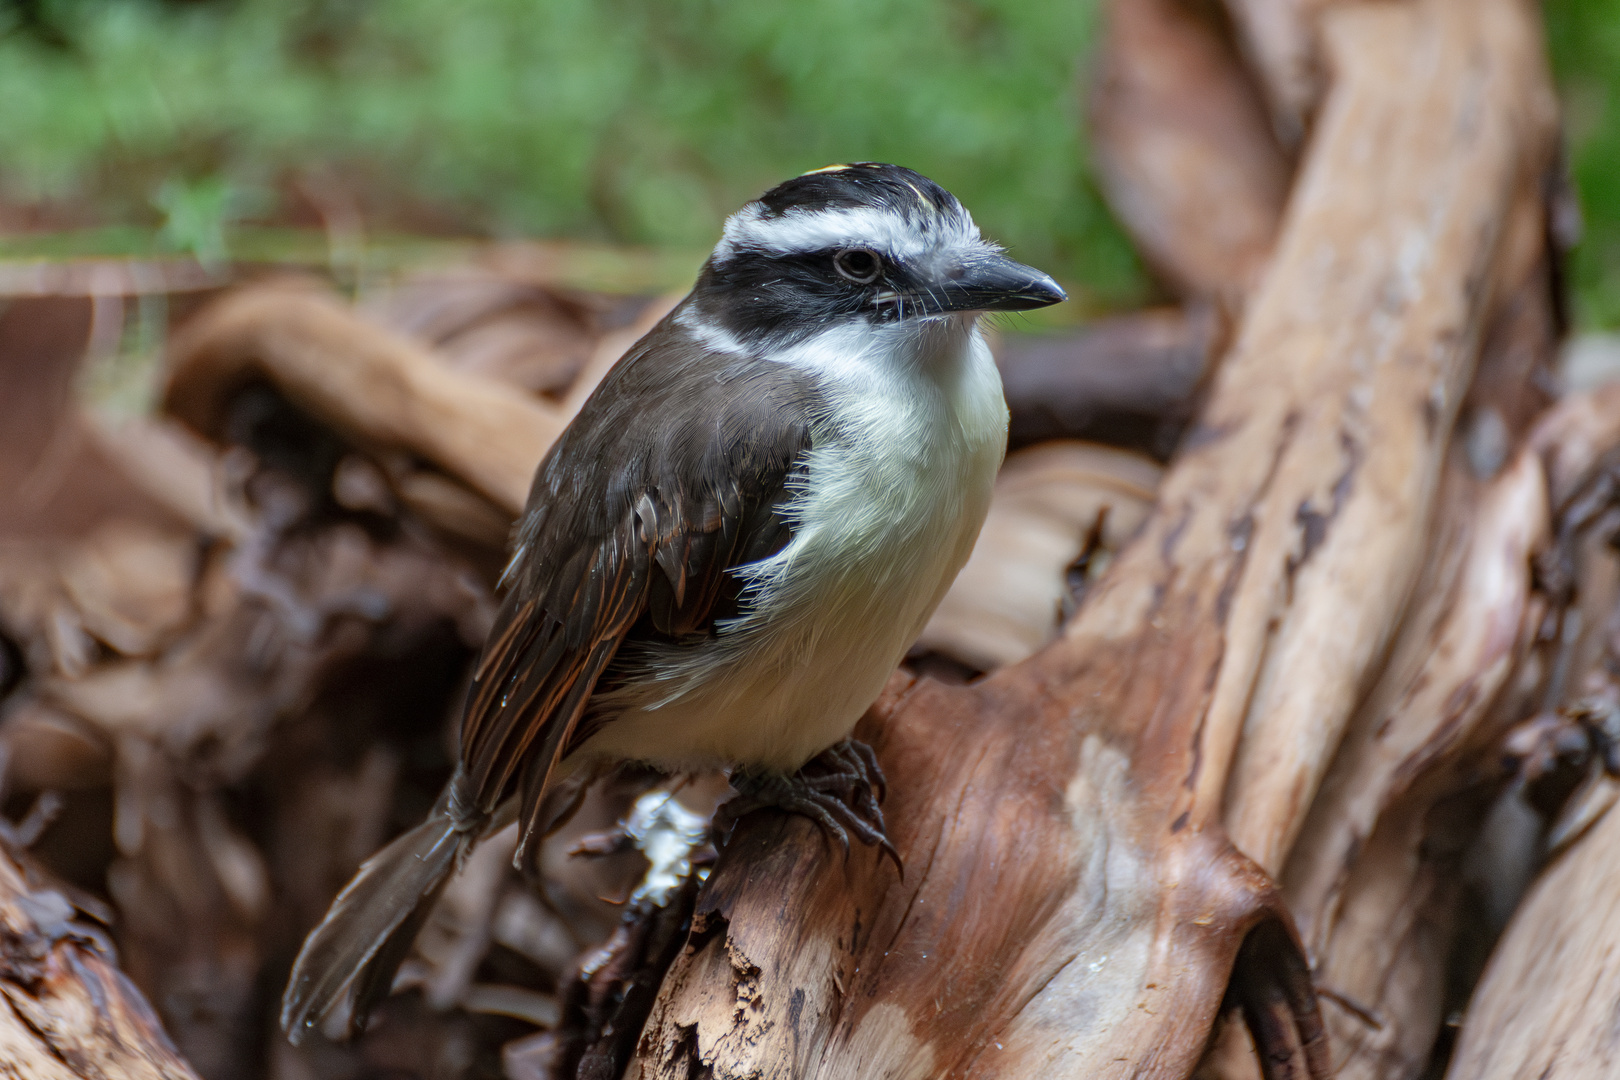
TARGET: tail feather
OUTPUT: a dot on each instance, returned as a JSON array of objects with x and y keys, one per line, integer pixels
[{"x": 351, "y": 957}]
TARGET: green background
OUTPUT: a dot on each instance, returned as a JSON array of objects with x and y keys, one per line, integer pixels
[{"x": 178, "y": 124}]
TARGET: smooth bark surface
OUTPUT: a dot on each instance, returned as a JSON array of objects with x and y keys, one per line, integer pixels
[
  {"x": 1184, "y": 148},
  {"x": 378, "y": 387},
  {"x": 1280, "y": 40},
  {"x": 1546, "y": 1006}
]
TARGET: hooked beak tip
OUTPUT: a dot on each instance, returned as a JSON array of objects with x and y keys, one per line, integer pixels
[{"x": 1050, "y": 289}]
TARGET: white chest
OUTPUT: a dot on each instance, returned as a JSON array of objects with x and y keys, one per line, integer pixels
[{"x": 900, "y": 470}]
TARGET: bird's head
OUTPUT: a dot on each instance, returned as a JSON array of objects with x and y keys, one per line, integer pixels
[{"x": 863, "y": 242}]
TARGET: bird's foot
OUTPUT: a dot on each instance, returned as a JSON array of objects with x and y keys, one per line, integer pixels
[{"x": 840, "y": 790}]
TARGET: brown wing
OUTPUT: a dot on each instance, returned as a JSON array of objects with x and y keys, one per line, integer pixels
[{"x": 671, "y": 476}]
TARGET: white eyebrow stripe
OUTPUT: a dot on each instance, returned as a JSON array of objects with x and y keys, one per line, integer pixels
[{"x": 799, "y": 231}]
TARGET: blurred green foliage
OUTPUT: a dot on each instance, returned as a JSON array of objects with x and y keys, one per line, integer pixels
[
  {"x": 605, "y": 119},
  {"x": 617, "y": 120},
  {"x": 1584, "y": 37}
]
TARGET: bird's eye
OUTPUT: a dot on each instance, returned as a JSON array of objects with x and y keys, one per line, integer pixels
[{"x": 858, "y": 265}]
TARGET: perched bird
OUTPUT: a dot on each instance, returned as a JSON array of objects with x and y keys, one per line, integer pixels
[{"x": 730, "y": 548}]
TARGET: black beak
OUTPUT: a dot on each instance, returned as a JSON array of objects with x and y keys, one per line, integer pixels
[{"x": 989, "y": 283}]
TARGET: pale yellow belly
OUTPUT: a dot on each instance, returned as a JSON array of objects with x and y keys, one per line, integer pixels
[{"x": 799, "y": 687}]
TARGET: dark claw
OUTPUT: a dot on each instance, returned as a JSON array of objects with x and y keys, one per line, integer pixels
[
  {"x": 820, "y": 813},
  {"x": 867, "y": 760},
  {"x": 840, "y": 790},
  {"x": 831, "y": 781}
]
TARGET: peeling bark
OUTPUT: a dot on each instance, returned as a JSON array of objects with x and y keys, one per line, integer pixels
[
  {"x": 1385, "y": 432},
  {"x": 66, "y": 1011},
  {"x": 1545, "y": 1006}
]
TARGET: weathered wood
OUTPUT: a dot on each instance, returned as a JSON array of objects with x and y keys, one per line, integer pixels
[
  {"x": 1184, "y": 147},
  {"x": 1279, "y": 38},
  {"x": 377, "y": 387},
  {"x": 1545, "y": 1006},
  {"x": 514, "y": 331},
  {"x": 55, "y": 481},
  {"x": 1375, "y": 880},
  {"x": 1128, "y": 380},
  {"x": 387, "y": 393},
  {"x": 1439, "y": 112},
  {"x": 66, "y": 1011},
  {"x": 159, "y": 663},
  {"x": 1071, "y": 904}
]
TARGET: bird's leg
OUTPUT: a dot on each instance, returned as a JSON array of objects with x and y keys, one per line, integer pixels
[{"x": 839, "y": 790}]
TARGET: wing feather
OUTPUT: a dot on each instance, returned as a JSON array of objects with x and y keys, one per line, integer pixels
[{"x": 673, "y": 474}]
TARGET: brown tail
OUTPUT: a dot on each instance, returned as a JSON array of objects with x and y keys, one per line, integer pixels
[{"x": 351, "y": 957}]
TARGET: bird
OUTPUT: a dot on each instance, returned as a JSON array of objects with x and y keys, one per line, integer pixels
[{"x": 728, "y": 550}]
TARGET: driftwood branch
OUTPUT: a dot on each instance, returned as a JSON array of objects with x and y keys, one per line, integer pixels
[
  {"x": 66, "y": 1011},
  {"x": 380, "y": 388},
  {"x": 1561, "y": 948},
  {"x": 1280, "y": 39},
  {"x": 1072, "y": 905},
  {"x": 1545, "y": 1005},
  {"x": 1179, "y": 130},
  {"x": 1455, "y": 135}
]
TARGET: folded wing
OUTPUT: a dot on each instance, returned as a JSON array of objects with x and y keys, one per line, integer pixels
[{"x": 675, "y": 472}]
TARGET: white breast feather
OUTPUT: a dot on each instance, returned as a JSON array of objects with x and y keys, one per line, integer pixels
[{"x": 897, "y": 487}]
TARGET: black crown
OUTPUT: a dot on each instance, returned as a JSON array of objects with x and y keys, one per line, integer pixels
[{"x": 861, "y": 184}]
